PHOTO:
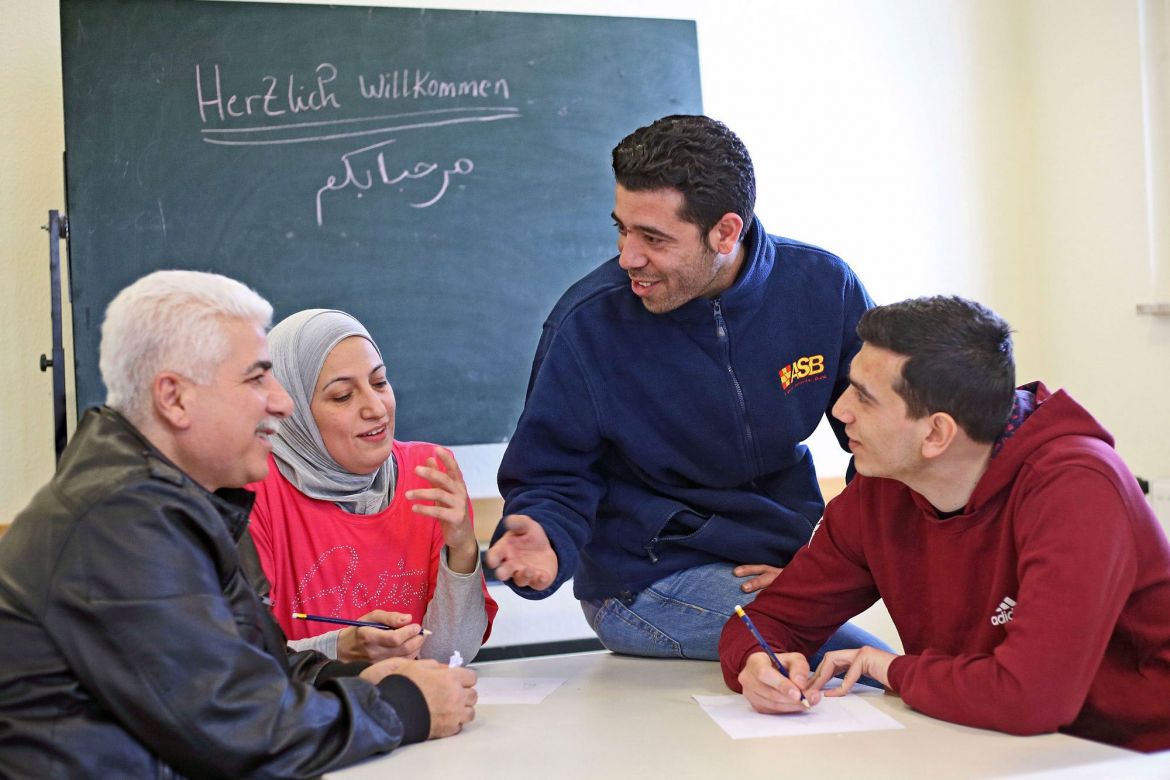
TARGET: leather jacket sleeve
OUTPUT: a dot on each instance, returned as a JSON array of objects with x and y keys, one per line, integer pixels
[{"x": 163, "y": 629}]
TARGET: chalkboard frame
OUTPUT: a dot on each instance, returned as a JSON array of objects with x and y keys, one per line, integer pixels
[{"x": 555, "y": 93}]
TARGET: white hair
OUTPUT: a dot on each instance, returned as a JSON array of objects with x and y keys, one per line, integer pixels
[{"x": 170, "y": 321}]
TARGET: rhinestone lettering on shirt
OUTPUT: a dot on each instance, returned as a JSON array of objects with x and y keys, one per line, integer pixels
[{"x": 395, "y": 590}]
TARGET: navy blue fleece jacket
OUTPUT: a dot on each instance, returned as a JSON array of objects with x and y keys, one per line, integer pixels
[{"x": 651, "y": 443}]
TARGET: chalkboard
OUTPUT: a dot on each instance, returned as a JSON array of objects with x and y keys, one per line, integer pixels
[{"x": 442, "y": 175}]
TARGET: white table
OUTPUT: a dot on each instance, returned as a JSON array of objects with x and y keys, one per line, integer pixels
[{"x": 622, "y": 717}]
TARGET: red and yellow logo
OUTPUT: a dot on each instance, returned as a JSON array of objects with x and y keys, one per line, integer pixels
[{"x": 805, "y": 368}]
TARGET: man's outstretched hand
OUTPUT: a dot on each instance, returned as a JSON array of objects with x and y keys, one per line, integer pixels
[{"x": 523, "y": 554}]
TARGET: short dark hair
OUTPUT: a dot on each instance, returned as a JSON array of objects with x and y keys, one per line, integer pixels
[
  {"x": 699, "y": 157},
  {"x": 959, "y": 360}
]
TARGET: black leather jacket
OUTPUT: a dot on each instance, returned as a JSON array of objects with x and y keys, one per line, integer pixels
[{"x": 132, "y": 644}]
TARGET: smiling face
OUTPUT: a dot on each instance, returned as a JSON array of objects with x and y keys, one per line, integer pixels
[
  {"x": 353, "y": 406},
  {"x": 669, "y": 260},
  {"x": 884, "y": 439},
  {"x": 232, "y": 416}
]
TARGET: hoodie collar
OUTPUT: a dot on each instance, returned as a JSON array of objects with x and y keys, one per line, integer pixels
[
  {"x": 1053, "y": 415},
  {"x": 1023, "y": 404}
]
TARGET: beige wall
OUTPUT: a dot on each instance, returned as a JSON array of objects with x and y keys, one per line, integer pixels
[
  {"x": 992, "y": 148},
  {"x": 31, "y": 139},
  {"x": 1090, "y": 225}
]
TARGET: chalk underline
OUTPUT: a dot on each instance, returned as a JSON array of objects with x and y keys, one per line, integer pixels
[
  {"x": 358, "y": 133},
  {"x": 351, "y": 120}
]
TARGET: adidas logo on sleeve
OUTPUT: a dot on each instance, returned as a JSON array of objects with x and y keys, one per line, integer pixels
[{"x": 1003, "y": 613}]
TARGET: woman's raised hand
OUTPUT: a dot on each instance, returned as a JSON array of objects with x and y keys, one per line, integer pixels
[{"x": 449, "y": 505}]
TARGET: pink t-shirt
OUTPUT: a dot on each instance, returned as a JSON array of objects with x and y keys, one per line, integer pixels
[{"x": 323, "y": 560}]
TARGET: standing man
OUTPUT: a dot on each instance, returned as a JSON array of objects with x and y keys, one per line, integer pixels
[
  {"x": 134, "y": 645},
  {"x": 1023, "y": 568},
  {"x": 658, "y": 460}
]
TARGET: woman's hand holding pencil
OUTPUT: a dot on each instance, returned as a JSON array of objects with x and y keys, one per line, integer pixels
[{"x": 377, "y": 635}]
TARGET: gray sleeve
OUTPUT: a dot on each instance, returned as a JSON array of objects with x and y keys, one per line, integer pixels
[
  {"x": 456, "y": 614},
  {"x": 323, "y": 643}
]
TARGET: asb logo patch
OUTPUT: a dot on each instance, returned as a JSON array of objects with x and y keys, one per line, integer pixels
[{"x": 809, "y": 368}]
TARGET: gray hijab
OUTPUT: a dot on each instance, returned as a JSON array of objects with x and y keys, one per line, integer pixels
[{"x": 299, "y": 345}]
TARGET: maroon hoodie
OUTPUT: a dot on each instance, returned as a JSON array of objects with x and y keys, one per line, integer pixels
[{"x": 1043, "y": 606}]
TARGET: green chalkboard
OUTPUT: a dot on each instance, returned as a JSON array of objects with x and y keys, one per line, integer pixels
[{"x": 442, "y": 175}]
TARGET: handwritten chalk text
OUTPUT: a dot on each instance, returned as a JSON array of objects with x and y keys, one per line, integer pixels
[
  {"x": 271, "y": 100},
  {"x": 362, "y": 177},
  {"x": 402, "y": 84}
]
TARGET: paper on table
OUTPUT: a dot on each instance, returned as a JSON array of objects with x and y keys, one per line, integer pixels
[
  {"x": 516, "y": 690},
  {"x": 832, "y": 716}
]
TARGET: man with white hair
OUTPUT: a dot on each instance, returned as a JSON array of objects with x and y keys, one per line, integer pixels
[{"x": 134, "y": 643}]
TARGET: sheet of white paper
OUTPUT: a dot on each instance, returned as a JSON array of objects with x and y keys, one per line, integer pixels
[
  {"x": 516, "y": 690},
  {"x": 832, "y": 716}
]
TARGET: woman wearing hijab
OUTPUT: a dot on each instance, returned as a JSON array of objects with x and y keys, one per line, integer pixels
[{"x": 350, "y": 523}]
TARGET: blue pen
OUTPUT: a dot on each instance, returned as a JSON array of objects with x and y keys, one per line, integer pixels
[
  {"x": 347, "y": 622},
  {"x": 759, "y": 638}
]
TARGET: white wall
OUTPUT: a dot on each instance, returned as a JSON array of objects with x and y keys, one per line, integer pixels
[
  {"x": 991, "y": 148},
  {"x": 1091, "y": 234}
]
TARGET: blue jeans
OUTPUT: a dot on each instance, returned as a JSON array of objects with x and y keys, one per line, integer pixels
[{"x": 682, "y": 616}]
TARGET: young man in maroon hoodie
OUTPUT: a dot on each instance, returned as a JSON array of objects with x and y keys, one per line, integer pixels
[{"x": 1025, "y": 572}]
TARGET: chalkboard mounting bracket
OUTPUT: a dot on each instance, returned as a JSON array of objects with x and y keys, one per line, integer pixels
[{"x": 58, "y": 228}]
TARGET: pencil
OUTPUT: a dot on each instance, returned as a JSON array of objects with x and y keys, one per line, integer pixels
[
  {"x": 345, "y": 622},
  {"x": 759, "y": 638}
]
